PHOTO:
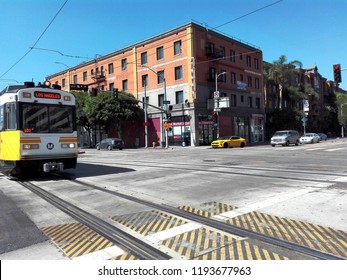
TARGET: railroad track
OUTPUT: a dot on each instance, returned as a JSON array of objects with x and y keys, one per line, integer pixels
[
  {"x": 137, "y": 247},
  {"x": 143, "y": 250}
]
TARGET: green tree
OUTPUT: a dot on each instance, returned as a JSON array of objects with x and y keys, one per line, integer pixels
[
  {"x": 101, "y": 110},
  {"x": 281, "y": 72}
]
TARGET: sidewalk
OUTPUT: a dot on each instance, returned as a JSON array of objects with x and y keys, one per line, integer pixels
[{"x": 20, "y": 239}]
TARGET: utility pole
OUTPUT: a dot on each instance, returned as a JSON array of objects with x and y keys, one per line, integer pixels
[{"x": 216, "y": 100}]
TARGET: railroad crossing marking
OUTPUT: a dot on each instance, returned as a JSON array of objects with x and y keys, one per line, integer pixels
[
  {"x": 79, "y": 242},
  {"x": 317, "y": 237}
]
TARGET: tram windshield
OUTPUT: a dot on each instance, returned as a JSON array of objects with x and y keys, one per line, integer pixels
[{"x": 45, "y": 118}]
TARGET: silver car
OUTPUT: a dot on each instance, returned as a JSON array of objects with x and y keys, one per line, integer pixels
[
  {"x": 309, "y": 138},
  {"x": 285, "y": 137}
]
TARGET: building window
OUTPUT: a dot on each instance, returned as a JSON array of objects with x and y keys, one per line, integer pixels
[
  {"x": 241, "y": 77},
  {"x": 242, "y": 98},
  {"x": 125, "y": 85},
  {"x": 178, "y": 73},
  {"x": 257, "y": 102},
  {"x": 92, "y": 73},
  {"x": 241, "y": 56},
  {"x": 85, "y": 76},
  {"x": 179, "y": 97},
  {"x": 249, "y": 61},
  {"x": 257, "y": 84},
  {"x": 124, "y": 64},
  {"x": 249, "y": 81},
  {"x": 221, "y": 52},
  {"x": 232, "y": 56},
  {"x": 178, "y": 48},
  {"x": 160, "y": 53},
  {"x": 233, "y": 100},
  {"x": 233, "y": 78},
  {"x": 111, "y": 86},
  {"x": 75, "y": 79},
  {"x": 210, "y": 50},
  {"x": 144, "y": 58},
  {"x": 160, "y": 100},
  {"x": 145, "y": 100},
  {"x": 144, "y": 80},
  {"x": 161, "y": 77},
  {"x": 110, "y": 68},
  {"x": 249, "y": 102},
  {"x": 256, "y": 63},
  {"x": 223, "y": 78},
  {"x": 212, "y": 73}
]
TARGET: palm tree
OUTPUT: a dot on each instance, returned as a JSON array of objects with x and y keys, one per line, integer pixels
[{"x": 280, "y": 71}]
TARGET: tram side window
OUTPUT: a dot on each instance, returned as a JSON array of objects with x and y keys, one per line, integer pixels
[{"x": 11, "y": 116}]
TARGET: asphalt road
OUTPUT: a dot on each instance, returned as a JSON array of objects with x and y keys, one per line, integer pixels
[{"x": 306, "y": 183}]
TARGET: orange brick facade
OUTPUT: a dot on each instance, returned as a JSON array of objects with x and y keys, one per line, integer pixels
[{"x": 189, "y": 58}]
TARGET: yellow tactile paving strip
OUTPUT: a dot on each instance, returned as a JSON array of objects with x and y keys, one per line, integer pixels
[
  {"x": 76, "y": 240},
  {"x": 208, "y": 209},
  {"x": 241, "y": 250},
  {"x": 148, "y": 222},
  {"x": 125, "y": 257},
  {"x": 317, "y": 237}
]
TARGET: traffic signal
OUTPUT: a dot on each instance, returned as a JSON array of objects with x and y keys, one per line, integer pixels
[
  {"x": 215, "y": 117},
  {"x": 337, "y": 73}
]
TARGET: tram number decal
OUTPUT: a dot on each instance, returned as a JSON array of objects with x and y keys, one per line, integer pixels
[
  {"x": 48, "y": 95},
  {"x": 50, "y": 146}
]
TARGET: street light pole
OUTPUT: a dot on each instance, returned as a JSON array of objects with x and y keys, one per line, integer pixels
[
  {"x": 216, "y": 100},
  {"x": 68, "y": 73},
  {"x": 164, "y": 106},
  {"x": 146, "y": 119}
]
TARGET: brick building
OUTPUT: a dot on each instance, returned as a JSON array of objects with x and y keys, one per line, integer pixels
[{"x": 178, "y": 69}]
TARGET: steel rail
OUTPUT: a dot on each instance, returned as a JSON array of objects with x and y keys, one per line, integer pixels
[
  {"x": 220, "y": 225},
  {"x": 137, "y": 247}
]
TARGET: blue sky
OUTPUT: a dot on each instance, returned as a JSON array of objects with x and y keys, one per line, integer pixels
[{"x": 312, "y": 31}]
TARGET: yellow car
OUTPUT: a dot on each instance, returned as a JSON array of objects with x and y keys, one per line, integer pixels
[{"x": 229, "y": 142}]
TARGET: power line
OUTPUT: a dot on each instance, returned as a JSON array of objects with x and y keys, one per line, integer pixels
[
  {"x": 257, "y": 10},
  {"x": 63, "y": 54},
  {"x": 31, "y": 48}
]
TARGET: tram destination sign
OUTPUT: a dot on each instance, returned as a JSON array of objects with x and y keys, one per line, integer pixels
[{"x": 47, "y": 95}]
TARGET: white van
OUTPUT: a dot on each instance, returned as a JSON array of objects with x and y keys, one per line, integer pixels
[{"x": 285, "y": 137}]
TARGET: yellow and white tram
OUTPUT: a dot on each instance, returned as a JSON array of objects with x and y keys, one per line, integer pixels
[{"x": 37, "y": 129}]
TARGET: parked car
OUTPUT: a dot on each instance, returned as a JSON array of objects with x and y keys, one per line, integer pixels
[
  {"x": 309, "y": 138},
  {"x": 110, "y": 144},
  {"x": 285, "y": 137},
  {"x": 229, "y": 142},
  {"x": 323, "y": 136}
]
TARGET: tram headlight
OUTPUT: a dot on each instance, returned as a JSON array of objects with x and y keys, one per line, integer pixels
[
  {"x": 31, "y": 146},
  {"x": 68, "y": 145}
]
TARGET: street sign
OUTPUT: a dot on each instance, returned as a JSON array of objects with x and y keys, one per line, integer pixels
[
  {"x": 79, "y": 87},
  {"x": 166, "y": 126},
  {"x": 216, "y": 94},
  {"x": 166, "y": 102}
]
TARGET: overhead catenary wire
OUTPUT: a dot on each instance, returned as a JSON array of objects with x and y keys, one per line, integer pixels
[{"x": 38, "y": 39}]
